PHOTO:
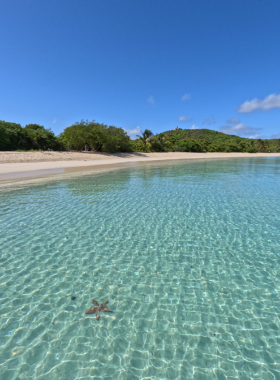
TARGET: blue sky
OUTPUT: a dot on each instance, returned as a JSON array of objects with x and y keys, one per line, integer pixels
[{"x": 142, "y": 64}]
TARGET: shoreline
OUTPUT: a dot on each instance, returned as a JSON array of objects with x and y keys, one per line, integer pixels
[{"x": 27, "y": 165}]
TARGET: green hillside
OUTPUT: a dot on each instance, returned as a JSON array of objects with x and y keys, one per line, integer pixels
[{"x": 206, "y": 140}]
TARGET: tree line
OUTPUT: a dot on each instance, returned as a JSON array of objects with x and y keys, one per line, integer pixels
[
  {"x": 93, "y": 136},
  {"x": 83, "y": 135},
  {"x": 33, "y": 136},
  {"x": 201, "y": 140}
]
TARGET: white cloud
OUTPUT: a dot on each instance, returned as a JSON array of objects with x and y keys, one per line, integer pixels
[
  {"x": 233, "y": 120},
  {"x": 185, "y": 119},
  {"x": 240, "y": 129},
  {"x": 271, "y": 101},
  {"x": 194, "y": 127},
  {"x": 151, "y": 100},
  {"x": 186, "y": 97},
  {"x": 54, "y": 121},
  {"x": 133, "y": 131},
  {"x": 209, "y": 121}
]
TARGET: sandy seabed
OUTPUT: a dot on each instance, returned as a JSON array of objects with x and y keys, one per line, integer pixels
[{"x": 20, "y": 165}]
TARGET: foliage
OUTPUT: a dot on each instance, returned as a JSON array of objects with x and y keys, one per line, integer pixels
[
  {"x": 205, "y": 140},
  {"x": 155, "y": 144},
  {"x": 145, "y": 136},
  {"x": 149, "y": 144},
  {"x": 191, "y": 145},
  {"x": 90, "y": 135},
  {"x": 42, "y": 138},
  {"x": 116, "y": 140},
  {"x": 12, "y": 136},
  {"x": 95, "y": 136},
  {"x": 139, "y": 146}
]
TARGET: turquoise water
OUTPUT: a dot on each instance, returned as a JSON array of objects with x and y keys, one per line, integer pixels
[{"x": 188, "y": 255}]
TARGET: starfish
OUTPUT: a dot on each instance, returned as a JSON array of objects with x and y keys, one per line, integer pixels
[{"x": 98, "y": 308}]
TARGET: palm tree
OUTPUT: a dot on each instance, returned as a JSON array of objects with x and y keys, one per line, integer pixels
[
  {"x": 145, "y": 135},
  {"x": 262, "y": 145}
]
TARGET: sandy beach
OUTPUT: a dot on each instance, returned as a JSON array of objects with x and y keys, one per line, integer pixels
[{"x": 21, "y": 165}]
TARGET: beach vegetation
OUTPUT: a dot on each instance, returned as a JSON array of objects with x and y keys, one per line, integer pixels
[
  {"x": 41, "y": 138},
  {"x": 145, "y": 136},
  {"x": 33, "y": 136},
  {"x": 205, "y": 140},
  {"x": 90, "y": 135},
  {"x": 93, "y": 136},
  {"x": 12, "y": 136}
]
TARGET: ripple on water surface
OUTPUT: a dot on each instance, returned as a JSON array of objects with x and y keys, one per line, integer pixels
[{"x": 187, "y": 254}]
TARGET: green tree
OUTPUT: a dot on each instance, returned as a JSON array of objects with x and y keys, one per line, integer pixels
[
  {"x": 154, "y": 144},
  {"x": 116, "y": 140},
  {"x": 138, "y": 146},
  {"x": 12, "y": 136},
  {"x": 145, "y": 136},
  {"x": 84, "y": 133},
  {"x": 95, "y": 136},
  {"x": 190, "y": 145},
  {"x": 42, "y": 138}
]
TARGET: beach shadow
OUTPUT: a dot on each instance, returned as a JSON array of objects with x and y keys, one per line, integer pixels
[{"x": 120, "y": 155}]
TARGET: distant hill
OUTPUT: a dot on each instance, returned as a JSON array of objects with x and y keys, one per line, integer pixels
[
  {"x": 208, "y": 135},
  {"x": 206, "y": 140}
]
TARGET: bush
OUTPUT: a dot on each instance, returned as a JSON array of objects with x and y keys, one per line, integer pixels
[
  {"x": 41, "y": 138},
  {"x": 33, "y": 136},
  {"x": 252, "y": 150},
  {"x": 12, "y": 136},
  {"x": 189, "y": 145},
  {"x": 95, "y": 136}
]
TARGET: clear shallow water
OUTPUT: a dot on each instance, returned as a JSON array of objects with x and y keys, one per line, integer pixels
[{"x": 187, "y": 253}]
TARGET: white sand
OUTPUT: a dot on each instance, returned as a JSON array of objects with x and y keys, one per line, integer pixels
[
  {"x": 18, "y": 165},
  {"x": 9, "y": 157}
]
